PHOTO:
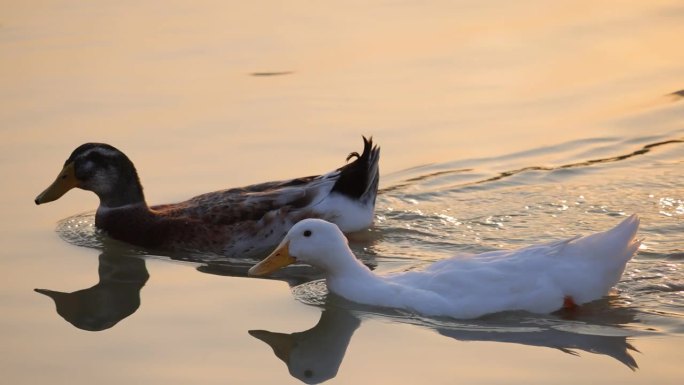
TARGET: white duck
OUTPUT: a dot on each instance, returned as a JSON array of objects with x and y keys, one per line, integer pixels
[{"x": 540, "y": 278}]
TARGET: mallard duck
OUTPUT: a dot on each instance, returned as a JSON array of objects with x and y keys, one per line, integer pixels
[
  {"x": 240, "y": 222},
  {"x": 540, "y": 278}
]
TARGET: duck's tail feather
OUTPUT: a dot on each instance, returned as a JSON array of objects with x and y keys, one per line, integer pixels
[
  {"x": 359, "y": 179},
  {"x": 624, "y": 236},
  {"x": 620, "y": 242},
  {"x": 599, "y": 260}
]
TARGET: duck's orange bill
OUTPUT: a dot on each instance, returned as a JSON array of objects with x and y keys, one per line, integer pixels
[
  {"x": 66, "y": 180},
  {"x": 279, "y": 258}
]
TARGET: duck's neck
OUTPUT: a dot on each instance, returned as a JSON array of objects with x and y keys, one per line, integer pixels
[
  {"x": 351, "y": 279},
  {"x": 128, "y": 193},
  {"x": 105, "y": 210},
  {"x": 120, "y": 199},
  {"x": 133, "y": 223}
]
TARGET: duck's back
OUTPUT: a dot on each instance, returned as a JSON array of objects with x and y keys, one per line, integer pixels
[{"x": 537, "y": 278}]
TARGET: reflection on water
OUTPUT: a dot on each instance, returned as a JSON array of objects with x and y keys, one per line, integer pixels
[
  {"x": 115, "y": 297},
  {"x": 315, "y": 355}
]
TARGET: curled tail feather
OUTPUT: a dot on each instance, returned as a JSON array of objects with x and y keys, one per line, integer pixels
[{"x": 359, "y": 179}]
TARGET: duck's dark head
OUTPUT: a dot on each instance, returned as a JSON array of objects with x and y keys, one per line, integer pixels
[{"x": 99, "y": 168}]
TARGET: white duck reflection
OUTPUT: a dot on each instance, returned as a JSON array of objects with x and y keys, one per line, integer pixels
[{"x": 315, "y": 355}]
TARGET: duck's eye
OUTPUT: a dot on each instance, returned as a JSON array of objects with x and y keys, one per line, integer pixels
[{"x": 307, "y": 233}]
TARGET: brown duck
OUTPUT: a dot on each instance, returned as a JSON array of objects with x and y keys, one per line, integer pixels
[{"x": 240, "y": 222}]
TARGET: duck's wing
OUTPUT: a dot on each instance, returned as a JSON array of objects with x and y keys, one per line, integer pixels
[
  {"x": 615, "y": 246},
  {"x": 252, "y": 203},
  {"x": 356, "y": 181},
  {"x": 272, "y": 186}
]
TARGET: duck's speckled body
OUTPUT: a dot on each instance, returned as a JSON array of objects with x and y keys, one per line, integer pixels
[{"x": 240, "y": 222}]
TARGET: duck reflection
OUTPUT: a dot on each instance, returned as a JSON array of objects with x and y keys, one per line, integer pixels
[
  {"x": 115, "y": 297},
  {"x": 315, "y": 355},
  {"x": 123, "y": 274}
]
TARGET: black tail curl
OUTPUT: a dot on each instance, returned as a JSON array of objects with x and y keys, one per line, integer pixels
[{"x": 359, "y": 179}]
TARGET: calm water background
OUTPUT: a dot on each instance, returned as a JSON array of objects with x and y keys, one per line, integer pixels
[{"x": 501, "y": 124}]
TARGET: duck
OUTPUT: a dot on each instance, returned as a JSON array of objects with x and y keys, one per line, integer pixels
[
  {"x": 541, "y": 278},
  {"x": 242, "y": 222}
]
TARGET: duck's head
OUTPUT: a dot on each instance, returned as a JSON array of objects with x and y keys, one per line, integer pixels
[
  {"x": 312, "y": 241},
  {"x": 99, "y": 168}
]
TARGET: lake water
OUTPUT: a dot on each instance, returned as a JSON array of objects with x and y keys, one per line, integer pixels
[{"x": 501, "y": 124}]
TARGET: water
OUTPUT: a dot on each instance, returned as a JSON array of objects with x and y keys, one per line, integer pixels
[{"x": 500, "y": 124}]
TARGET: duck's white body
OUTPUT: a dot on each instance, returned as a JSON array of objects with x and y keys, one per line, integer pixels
[{"x": 540, "y": 278}]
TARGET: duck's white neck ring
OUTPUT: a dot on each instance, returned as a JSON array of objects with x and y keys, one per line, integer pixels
[{"x": 102, "y": 209}]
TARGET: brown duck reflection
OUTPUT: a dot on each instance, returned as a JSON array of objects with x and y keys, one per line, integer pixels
[
  {"x": 114, "y": 298},
  {"x": 315, "y": 355}
]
